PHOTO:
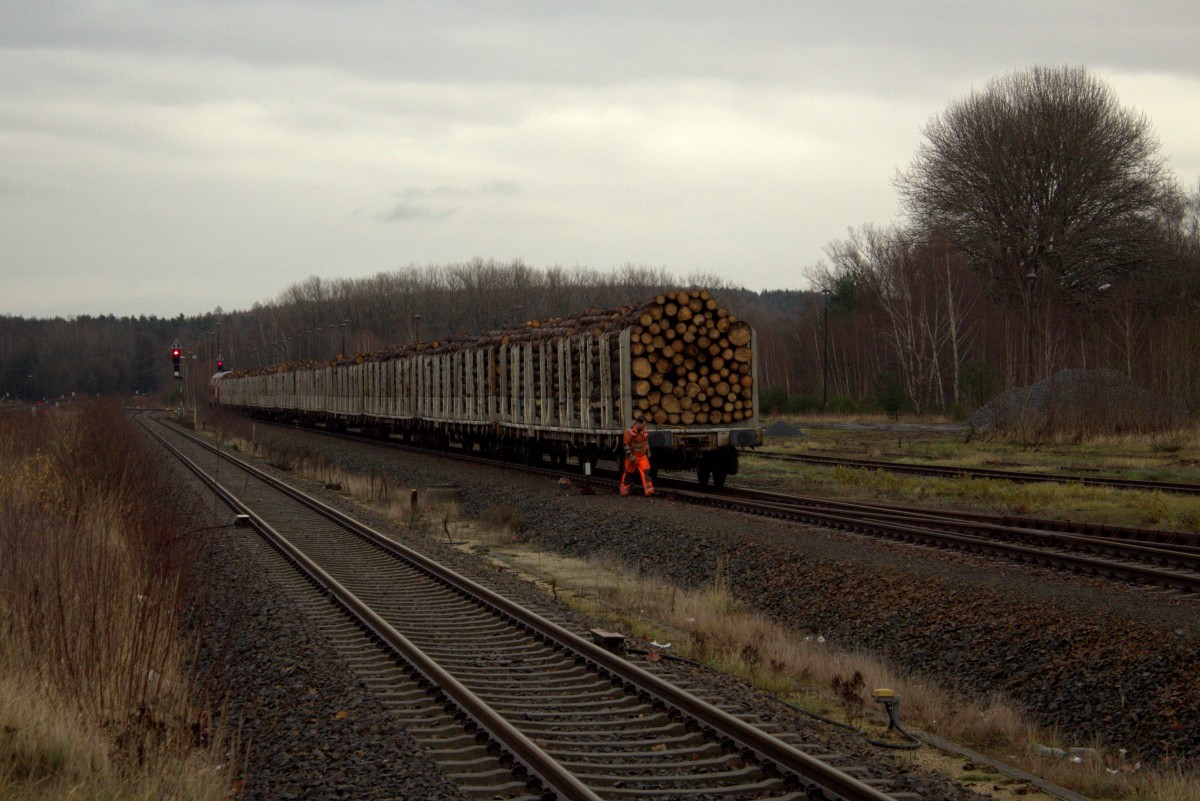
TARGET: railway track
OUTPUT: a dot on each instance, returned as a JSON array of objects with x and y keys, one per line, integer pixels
[
  {"x": 511, "y": 703},
  {"x": 1157, "y": 558},
  {"x": 978, "y": 472}
]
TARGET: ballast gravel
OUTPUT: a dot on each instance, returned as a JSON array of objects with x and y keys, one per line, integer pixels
[
  {"x": 1099, "y": 661},
  {"x": 304, "y": 724}
]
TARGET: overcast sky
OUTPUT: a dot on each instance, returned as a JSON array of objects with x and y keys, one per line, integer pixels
[{"x": 172, "y": 156}]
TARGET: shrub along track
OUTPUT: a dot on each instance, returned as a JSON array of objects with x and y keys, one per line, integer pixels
[
  {"x": 615, "y": 730},
  {"x": 1101, "y": 662}
]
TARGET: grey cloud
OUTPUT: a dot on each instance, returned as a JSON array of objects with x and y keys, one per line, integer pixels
[
  {"x": 623, "y": 41},
  {"x": 567, "y": 132},
  {"x": 406, "y": 211},
  {"x": 419, "y": 203},
  {"x": 444, "y": 190},
  {"x": 500, "y": 188}
]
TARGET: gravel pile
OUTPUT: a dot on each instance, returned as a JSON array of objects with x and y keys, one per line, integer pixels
[
  {"x": 1101, "y": 401},
  {"x": 782, "y": 429}
]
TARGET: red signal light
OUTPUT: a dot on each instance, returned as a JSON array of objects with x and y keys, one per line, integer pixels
[{"x": 175, "y": 353}]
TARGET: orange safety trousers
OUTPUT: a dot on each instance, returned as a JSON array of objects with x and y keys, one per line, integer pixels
[{"x": 639, "y": 463}]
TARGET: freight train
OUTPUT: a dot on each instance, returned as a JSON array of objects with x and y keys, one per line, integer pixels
[{"x": 562, "y": 388}]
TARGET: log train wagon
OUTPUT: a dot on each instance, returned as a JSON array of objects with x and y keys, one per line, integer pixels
[{"x": 565, "y": 388}]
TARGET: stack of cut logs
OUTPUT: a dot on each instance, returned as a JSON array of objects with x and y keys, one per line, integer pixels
[
  {"x": 690, "y": 358},
  {"x": 691, "y": 361}
]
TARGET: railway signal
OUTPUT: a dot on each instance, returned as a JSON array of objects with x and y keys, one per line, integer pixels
[
  {"x": 220, "y": 363},
  {"x": 175, "y": 355}
]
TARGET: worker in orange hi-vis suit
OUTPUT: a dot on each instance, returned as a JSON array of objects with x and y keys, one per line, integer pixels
[{"x": 637, "y": 457}]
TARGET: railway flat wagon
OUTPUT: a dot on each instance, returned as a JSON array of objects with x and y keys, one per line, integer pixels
[{"x": 564, "y": 388}]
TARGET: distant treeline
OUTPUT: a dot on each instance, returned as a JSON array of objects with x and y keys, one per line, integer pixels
[
  {"x": 903, "y": 325},
  {"x": 48, "y": 359},
  {"x": 313, "y": 319}
]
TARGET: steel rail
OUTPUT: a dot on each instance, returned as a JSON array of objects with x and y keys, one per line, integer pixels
[
  {"x": 979, "y": 472},
  {"x": 818, "y": 778},
  {"x": 1183, "y": 556},
  {"x": 1179, "y": 545},
  {"x": 1182, "y": 540},
  {"x": 869, "y": 523},
  {"x": 841, "y": 514},
  {"x": 536, "y": 761}
]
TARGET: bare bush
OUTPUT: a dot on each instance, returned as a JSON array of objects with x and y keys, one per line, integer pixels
[
  {"x": 92, "y": 580},
  {"x": 507, "y": 520}
]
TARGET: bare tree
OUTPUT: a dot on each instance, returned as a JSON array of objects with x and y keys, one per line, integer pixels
[
  {"x": 1042, "y": 175},
  {"x": 915, "y": 300}
]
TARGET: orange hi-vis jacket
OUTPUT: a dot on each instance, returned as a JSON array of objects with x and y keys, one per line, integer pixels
[
  {"x": 637, "y": 460},
  {"x": 637, "y": 443}
]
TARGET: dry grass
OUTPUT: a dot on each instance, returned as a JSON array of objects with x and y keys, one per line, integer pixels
[
  {"x": 95, "y": 696},
  {"x": 418, "y": 510},
  {"x": 45, "y": 741},
  {"x": 506, "y": 523},
  {"x": 710, "y": 626},
  {"x": 1170, "y": 455},
  {"x": 1100, "y": 504}
]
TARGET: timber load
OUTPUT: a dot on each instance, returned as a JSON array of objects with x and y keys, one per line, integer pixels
[
  {"x": 563, "y": 388},
  {"x": 688, "y": 361}
]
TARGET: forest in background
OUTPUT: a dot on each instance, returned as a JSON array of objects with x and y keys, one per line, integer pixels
[
  {"x": 1042, "y": 231},
  {"x": 948, "y": 348}
]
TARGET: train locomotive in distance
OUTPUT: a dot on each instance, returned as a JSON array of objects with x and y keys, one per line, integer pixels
[{"x": 564, "y": 388}]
